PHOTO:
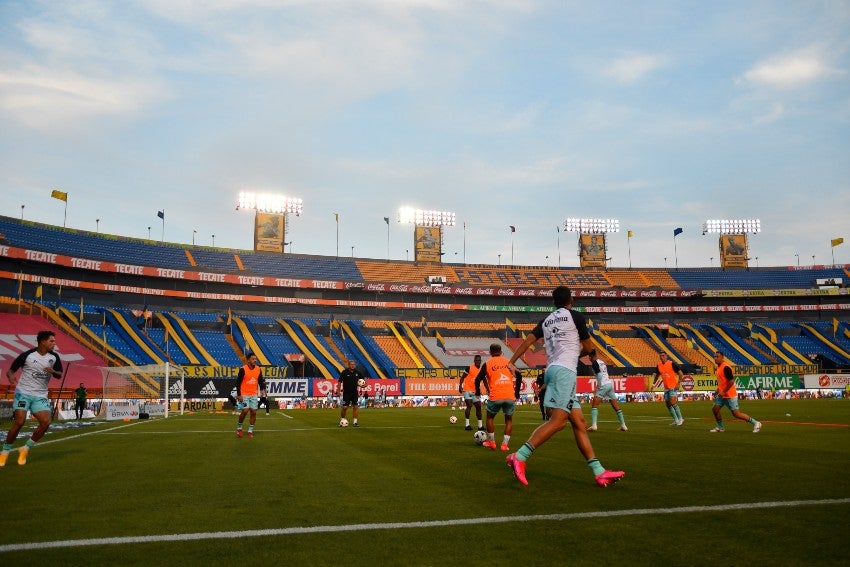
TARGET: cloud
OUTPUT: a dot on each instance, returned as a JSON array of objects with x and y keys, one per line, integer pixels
[
  {"x": 632, "y": 68},
  {"x": 790, "y": 71},
  {"x": 49, "y": 99}
]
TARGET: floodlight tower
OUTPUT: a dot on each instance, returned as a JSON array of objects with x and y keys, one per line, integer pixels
[
  {"x": 592, "y": 246},
  {"x": 734, "y": 250},
  {"x": 271, "y": 212},
  {"x": 427, "y": 231}
]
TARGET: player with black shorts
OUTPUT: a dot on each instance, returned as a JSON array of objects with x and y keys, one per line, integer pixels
[{"x": 348, "y": 382}]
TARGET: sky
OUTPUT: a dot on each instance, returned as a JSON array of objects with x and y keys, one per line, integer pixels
[{"x": 506, "y": 112}]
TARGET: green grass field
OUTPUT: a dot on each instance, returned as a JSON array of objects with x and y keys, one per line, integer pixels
[{"x": 408, "y": 488}]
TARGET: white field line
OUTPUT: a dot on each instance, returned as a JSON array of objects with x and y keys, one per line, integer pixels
[{"x": 409, "y": 525}]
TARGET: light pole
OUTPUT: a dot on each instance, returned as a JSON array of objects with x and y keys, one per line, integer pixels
[
  {"x": 500, "y": 259},
  {"x": 711, "y": 261},
  {"x": 407, "y": 254},
  {"x": 592, "y": 239},
  {"x": 464, "y": 242},
  {"x": 272, "y": 204},
  {"x": 433, "y": 223},
  {"x": 149, "y": 233},
  {"x": 733, "y": 238},
  {"x": 22, "y": 211},
  {"x": 547, "y": 261},
  {"x": 213, "y": 240},
  {"x": 757, "y": 261},
  {"x": 798, "y": 259},
  {"x": 813, "y": 260},
  {"x": 194, "y": 232},
  {"x": 352, "y": 251},
  {"x": 97, "y": 225},
  {"x": 665, "y": 262}
]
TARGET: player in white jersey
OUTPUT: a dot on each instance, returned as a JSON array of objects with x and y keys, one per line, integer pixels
[
  {"x": 565, "y": 337},
  {"x": 38, "y": 366},
  {"x": 604, "y": 391}
]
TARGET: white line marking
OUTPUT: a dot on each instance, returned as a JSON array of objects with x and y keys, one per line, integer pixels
[{"x": 408, "y": 525}]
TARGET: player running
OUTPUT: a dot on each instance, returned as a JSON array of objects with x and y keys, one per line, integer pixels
[
  {"x": 604, "y": 391},
  {"x": 565, "y": 337}
]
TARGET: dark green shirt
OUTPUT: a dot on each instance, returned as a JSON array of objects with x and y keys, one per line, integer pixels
[{"x": 81, "y": 394}]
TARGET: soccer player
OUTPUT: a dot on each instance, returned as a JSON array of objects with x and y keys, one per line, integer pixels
[
  {"x": 565, "y": 337},
  {"x": 604, "y": 391},
  {"x": 539, "y": 387},
  {"x": 503, "y": 384},
  {"x": 347, "y": 384},
  {"x": 670, "y": 374},
  {"x": 37, "y": 365},
  {"x": 727, "y": 395},
  {"x": 467, "y": 390},
  {"x": 249, "y": 382},
  {"x": 80, "y": 401}
]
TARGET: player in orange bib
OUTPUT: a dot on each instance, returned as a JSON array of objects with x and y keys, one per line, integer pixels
[
  {"x": 670, "y": 374},
  {"x": 249, "y": 382},
  {"x": 467, "y": 390},
  {"x": 727, "y": 395},
  {"x": 503, "y": 385}
]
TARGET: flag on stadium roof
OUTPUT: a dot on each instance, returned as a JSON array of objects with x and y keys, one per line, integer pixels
[
  {"x": 678, "y": 231},
  {"x": 836, "y": 241},
  {"x": 61, "y": 195},
  {"x": 513, "y": 228},
  {"x": 161, "y": 214}
]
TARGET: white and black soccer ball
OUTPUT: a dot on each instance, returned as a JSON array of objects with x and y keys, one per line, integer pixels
[
  {"x": 453, "y": 419},
  {"x": 361, "y": 382},
  {"x": 343, "y": 422},
  {"x": 479, "y": 437}
]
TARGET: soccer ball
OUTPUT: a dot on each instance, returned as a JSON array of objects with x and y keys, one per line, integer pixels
[
  {"x": 343, "y": 422},
  {"x": 453, "y": 419},
  {"x": 361, "y": 382},
  {"x": 479, "y": 437}
]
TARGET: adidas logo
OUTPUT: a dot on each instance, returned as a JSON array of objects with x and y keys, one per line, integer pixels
[
  {"x": 209, "y": 389},
  {"x": 175, "y": 389}
]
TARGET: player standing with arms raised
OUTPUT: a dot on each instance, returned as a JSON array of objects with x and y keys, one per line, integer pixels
[
  {"x": 565, "y": 337},
  {"x": 37, "y": 365}
]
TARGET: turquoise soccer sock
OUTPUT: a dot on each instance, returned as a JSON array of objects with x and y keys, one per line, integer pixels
[
  {"x": 720, "y": 423},
  {"x": 524, "y": 452},
  {"x": 238, "y": 427},
  {"x": 30, "y": 443},
  {"x": 678, "y": 411},
  {"x": 672, "y": 411},
  {"x": 594, "y": 413},
  {"x": 595, "y": 466},
  {"x": 250, "y": 428},
  {"x": 620, "y": 417},
  {"x": 7, "y": 447}
]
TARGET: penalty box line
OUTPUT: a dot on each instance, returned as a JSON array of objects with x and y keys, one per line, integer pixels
[{"x": 34, "y": 546}]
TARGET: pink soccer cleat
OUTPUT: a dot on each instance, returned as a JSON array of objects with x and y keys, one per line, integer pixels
[
  {"x": 518, "y": 467},
  {"x": 609, "y": 477}
]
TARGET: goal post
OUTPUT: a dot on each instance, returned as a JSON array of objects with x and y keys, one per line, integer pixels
[{"x": 149, "y": 386}]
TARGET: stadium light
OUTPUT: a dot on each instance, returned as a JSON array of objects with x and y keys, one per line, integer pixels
[
  {"x": 731, "y": 226},
  {"x": 592, "y": 225},
  {"x": 426, "y": 217},
  {"x": 269, "y": 203}
]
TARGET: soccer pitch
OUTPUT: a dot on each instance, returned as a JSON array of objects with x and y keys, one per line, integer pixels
[{"x": 409, "y": 488}]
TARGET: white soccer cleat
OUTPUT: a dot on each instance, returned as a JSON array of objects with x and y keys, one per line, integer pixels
[
  {"x": 681, "y": 422},
  {"x": 623, "y": 428},
  {"x": 591, "y": 428},
  {"x": 757, "y": 427},
  {"x": 716, "y": 430}
]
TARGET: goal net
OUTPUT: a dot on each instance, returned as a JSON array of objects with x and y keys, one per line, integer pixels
[{"x": 149, "y": 387}]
